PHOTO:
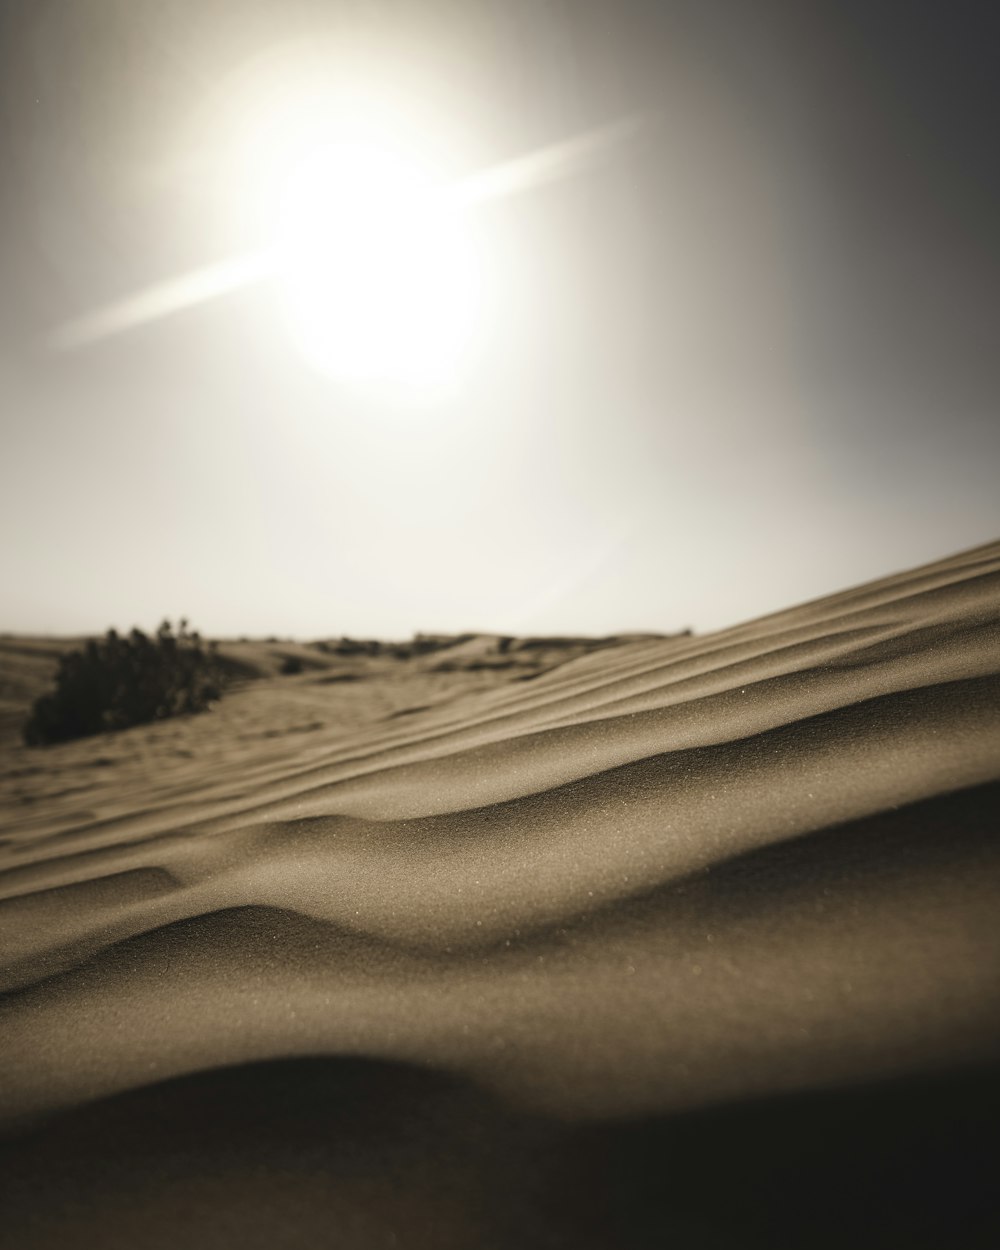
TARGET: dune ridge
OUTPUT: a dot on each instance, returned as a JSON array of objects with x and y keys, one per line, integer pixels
[{"x": 668, "y": 875}]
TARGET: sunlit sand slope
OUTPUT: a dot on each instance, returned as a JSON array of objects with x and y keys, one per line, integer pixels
[{"x": 667, "y": 877}]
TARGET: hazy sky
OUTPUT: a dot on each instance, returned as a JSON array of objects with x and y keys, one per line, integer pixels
[{"x": 741, "y": 357}]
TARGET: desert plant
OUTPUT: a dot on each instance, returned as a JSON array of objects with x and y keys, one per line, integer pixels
[{"x": 118, "y": 681}]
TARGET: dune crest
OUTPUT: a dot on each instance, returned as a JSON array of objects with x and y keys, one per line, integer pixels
[{"x": 665, "y": 875}]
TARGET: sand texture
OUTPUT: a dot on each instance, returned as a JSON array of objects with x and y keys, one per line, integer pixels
[{"x": 687, "y": 941}]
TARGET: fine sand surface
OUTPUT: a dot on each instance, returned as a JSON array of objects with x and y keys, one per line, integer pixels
[{"x": 686, "y": 941}]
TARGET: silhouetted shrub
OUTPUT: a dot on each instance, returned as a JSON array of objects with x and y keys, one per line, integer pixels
[
  {"x": 291, "y": 665},
  {"x": 117, "y": 681}
]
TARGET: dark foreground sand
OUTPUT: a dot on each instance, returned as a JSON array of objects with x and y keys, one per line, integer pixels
[{"x": 687, "y": 942}]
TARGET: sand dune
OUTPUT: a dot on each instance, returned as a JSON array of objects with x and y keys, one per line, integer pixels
[{"x": 435, "y": 956}]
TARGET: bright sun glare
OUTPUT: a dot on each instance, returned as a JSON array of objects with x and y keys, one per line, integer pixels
[
  {"x": 380, "y": 262},
  {"x": 377, "y": 269}
]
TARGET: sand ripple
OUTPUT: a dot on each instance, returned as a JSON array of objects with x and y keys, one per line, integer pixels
[{"x": 669, "y": 875}]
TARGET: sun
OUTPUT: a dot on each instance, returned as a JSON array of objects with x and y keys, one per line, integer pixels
[
  {"x": 368, "y": 214},
  {"x": 377, "y": 271}
]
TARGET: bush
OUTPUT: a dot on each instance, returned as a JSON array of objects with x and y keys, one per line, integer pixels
[
  {"x": 291, "y": 665},
  {"x": 118, "y": 681}
]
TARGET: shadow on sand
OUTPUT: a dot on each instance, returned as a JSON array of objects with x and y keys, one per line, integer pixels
[{"x": 352, "y": 1152}]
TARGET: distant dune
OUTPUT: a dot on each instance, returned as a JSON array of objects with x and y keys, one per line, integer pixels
[{"x": 651, "y": 941}]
